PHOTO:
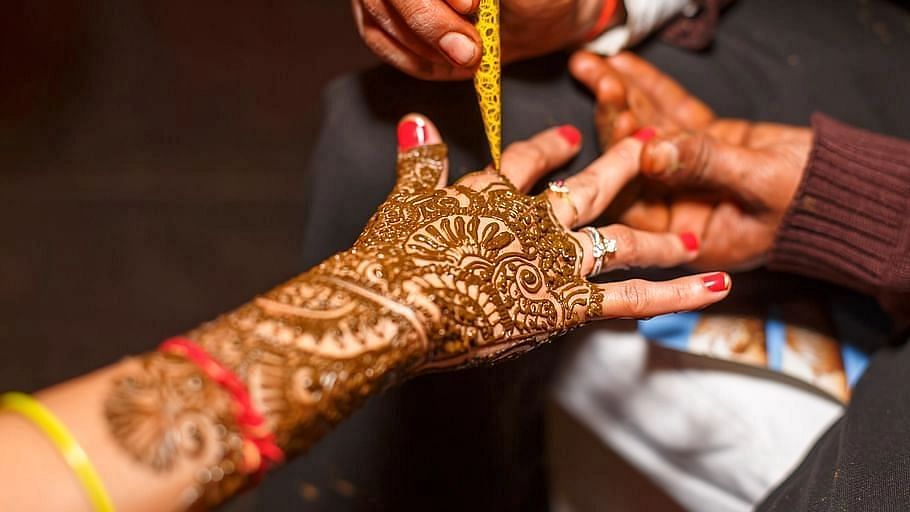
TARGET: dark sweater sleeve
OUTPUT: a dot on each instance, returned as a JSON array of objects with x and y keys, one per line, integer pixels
[{"x": 850, "y": 220}]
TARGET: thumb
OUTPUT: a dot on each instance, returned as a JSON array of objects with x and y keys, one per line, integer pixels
[
  {"x": 699, "y": 160},
  {"x": 422, "y": 157}
]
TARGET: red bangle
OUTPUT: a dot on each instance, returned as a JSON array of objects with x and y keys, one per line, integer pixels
[
  {"x": 252, "y": 425},
  {"x": 603, "y": 21}
]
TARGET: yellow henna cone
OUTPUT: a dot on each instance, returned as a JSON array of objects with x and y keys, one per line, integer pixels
[{"x": 488, "y": 79}]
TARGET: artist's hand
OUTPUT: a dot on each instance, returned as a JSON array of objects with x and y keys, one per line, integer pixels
[
  {"x": 436, "y": 39},
  {"x": 725, "y": 183},
  {"x": 486, "y": 271}
]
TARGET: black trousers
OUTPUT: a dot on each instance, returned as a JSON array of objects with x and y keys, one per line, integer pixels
[{"x": 473, "y": 440}]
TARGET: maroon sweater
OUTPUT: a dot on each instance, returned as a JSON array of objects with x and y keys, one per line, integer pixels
[{"x": 850, "y": 220}]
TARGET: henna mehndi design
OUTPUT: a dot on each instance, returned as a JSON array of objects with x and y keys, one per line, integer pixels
[{"x": 439, "y": 278}]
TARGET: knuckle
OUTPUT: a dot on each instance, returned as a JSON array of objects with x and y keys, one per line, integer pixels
[
  {"x": 373, "y": 9},
  {"x": 700, "y": 151},
  {"x": 421, "y": 16},
  {"x": 682, "y": 295},
  {"x": 531, "y": 155},
  {"x": 635, "y": 297},
  {"x": 626, "y": 243},
  {"x": 627, "y": 151},
  {"x": 605, "y": 88},
  {"x": 583, "y": 198}
]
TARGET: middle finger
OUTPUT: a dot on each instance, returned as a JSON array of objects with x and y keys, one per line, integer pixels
[{"x": 590, "y": 191}]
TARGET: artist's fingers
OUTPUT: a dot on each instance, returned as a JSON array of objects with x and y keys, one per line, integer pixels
[
  {"x": 391, "y": 51},
  {"x": 393, "y": 24},
  {"x": 525, "y": 162},
  {"x": 672, "y": 98},
  {"x": 422, "y": 157},
  {"x": 644, "y": 299},
  {"x": 647, "y": 215},
  {"x": 700, "y": 160},
  {"x": 689, "y": 215},
  {"x": 464, "y": 6},
  {"x": 634, "y": 248},
  {"x": 587, "y": 194},
  {"x": 599, "y": 77},
  {"x": 437, "y": 24}
]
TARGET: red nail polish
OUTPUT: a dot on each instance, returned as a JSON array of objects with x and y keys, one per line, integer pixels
[
  {"x": 411, "y": 133},
  {"x": 689, "y": 240},
  {"x": 718, "y": 282},
  {"x": 570, "y": 133},
  {"x": 645, "y": 134}
]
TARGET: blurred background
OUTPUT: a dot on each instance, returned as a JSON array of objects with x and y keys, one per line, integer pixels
[{"x": 152, "y": 159}]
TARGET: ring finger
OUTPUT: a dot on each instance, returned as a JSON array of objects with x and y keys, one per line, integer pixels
[{"x": 623, "y": 247}]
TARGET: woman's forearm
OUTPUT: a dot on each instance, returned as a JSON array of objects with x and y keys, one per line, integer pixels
[
  {"x": 165, "y": 435},
  {"x": 440, "y": 278}
]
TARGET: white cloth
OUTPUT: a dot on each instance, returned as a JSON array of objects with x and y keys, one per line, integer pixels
[
  {"x": 713, "y": 438},
  {"x": 642, "y": 18}
]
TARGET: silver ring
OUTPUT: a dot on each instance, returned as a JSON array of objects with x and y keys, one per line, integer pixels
[{"x": 601, "y": 247}]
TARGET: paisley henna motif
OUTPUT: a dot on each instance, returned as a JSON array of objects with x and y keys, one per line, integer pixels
[{"x": 439, "y": 278}]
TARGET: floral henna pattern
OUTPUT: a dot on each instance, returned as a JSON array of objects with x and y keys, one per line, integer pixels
[
  {"x": 167, "y": 413},
  {"x": 439, "y": 278},
  {"x": 488, "y": 270}
]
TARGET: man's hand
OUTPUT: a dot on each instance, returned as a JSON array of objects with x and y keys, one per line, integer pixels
[
  {"x": 436, "y": 39},
  {"x": 728, "y": 181}
]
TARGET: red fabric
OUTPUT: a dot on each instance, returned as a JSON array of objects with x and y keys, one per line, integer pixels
[
  {"x": 603, "y": 21},
  {"x": 850, "y": 220},
  {"x": 250, "y": 422}
]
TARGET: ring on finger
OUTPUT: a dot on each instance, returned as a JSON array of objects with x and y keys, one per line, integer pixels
[
  {"x": 559, "y": 188},
  {"x": 602, "y": 247}
]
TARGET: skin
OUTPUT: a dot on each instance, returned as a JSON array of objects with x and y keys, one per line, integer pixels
[
  {"x": 311, "y": 350},
  {"x": 411, "y": 35},
  {"x": 729, "y": 181}
]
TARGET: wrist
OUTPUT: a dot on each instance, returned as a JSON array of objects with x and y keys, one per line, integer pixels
[{"x": 312, "y": 350}]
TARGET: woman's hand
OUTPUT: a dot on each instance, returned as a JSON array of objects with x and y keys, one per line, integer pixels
[
  {"x": 483, "y": 271},
  {"x": 727, "y": 181},
  {"x": 441, "y": 277},
  {"x": 435, "y": 39}
]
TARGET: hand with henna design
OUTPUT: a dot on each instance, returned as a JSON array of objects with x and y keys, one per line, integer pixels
[
  {"x": 442, "y": 277},
  {"x": 727, "y": 182},
  {"x": 487, "y": 270}
]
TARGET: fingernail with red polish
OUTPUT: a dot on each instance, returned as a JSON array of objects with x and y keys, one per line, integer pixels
[
  {"x": 411, "y": 133},
  {"x": 645, "y": 134},
  {"x": 690, "y": 241},
  {"x": 719, "y": 282},
  {"x": 570, "y": 133}
]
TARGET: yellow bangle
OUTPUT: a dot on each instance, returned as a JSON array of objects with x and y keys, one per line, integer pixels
[{"x": 56, "y": 431}]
